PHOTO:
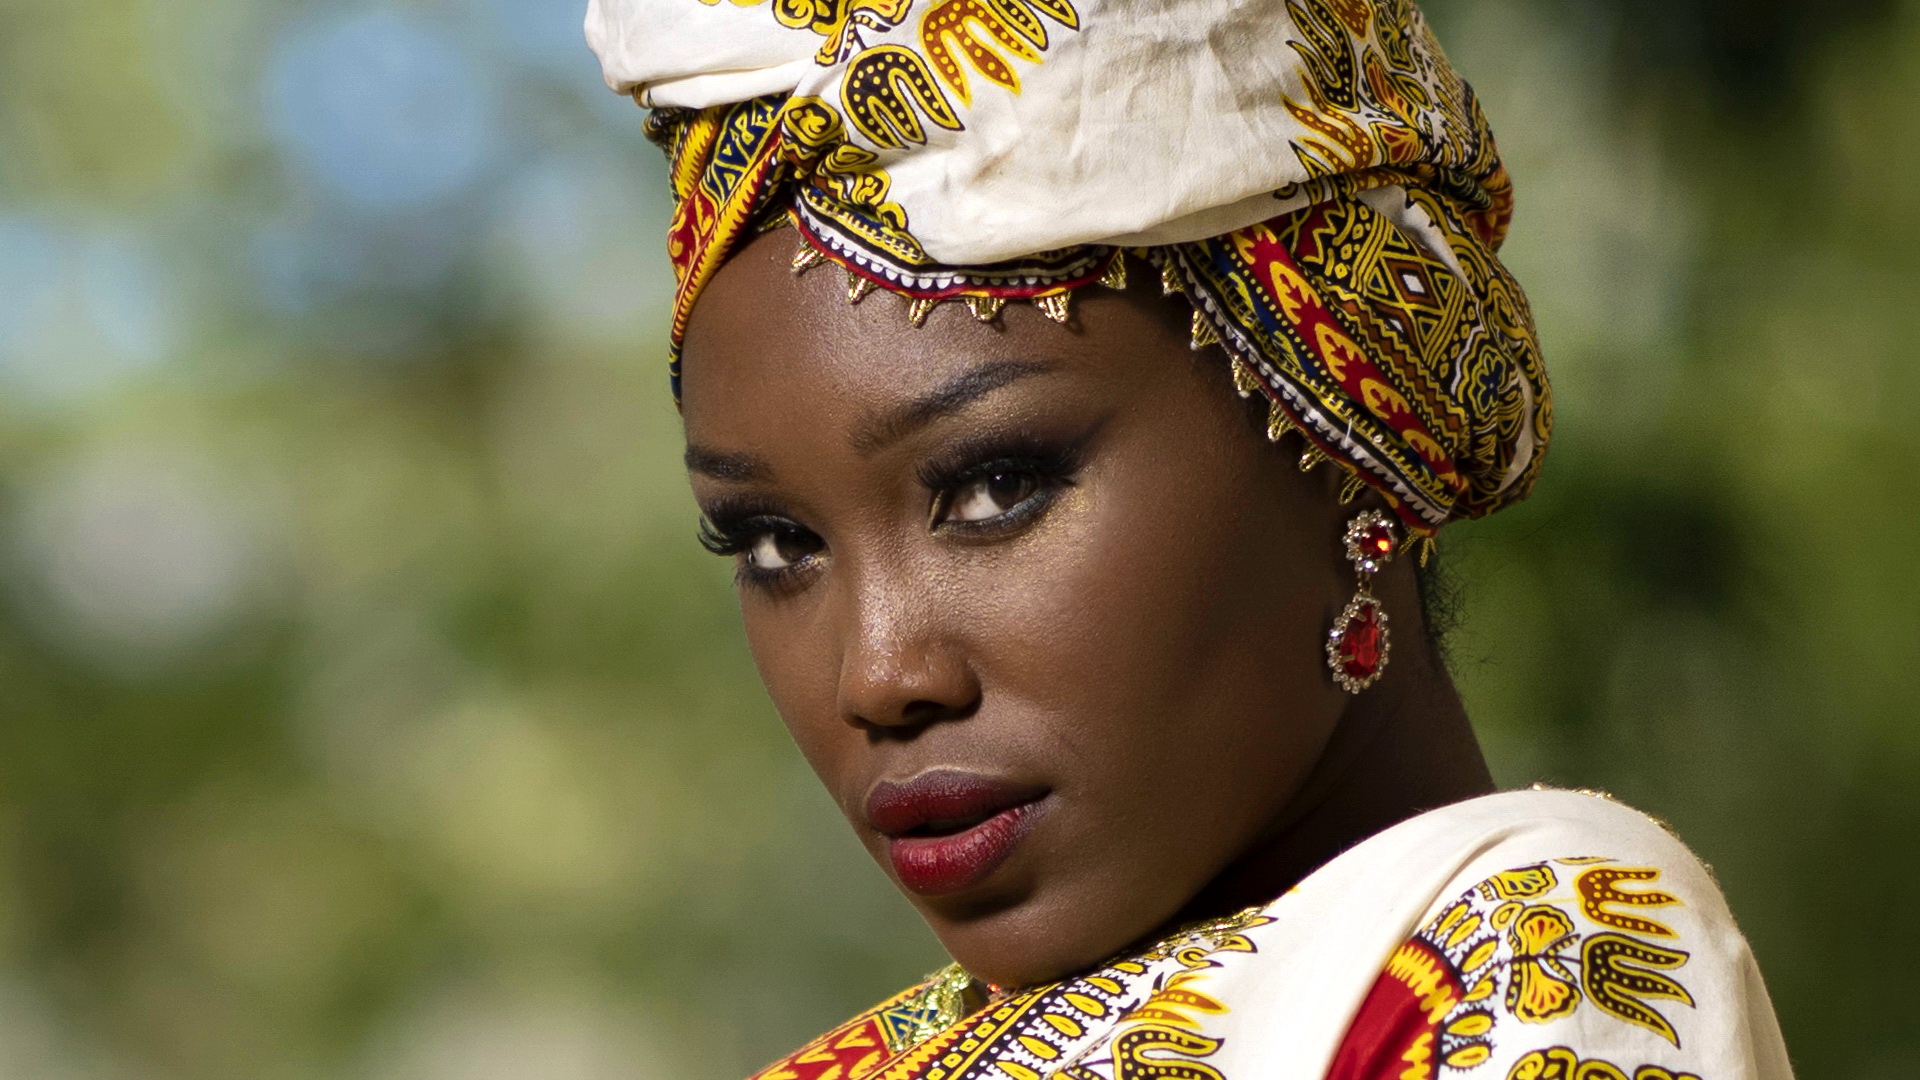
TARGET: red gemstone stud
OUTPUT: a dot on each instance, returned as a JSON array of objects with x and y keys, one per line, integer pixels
[
  {"x": 1370, "y": 542},
  {"x": 1357, "y": 645}
]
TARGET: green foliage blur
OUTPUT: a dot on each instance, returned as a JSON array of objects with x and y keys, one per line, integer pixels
[{"x": 367, "y": 710}]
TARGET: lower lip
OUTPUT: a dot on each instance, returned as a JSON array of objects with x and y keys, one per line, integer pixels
[{"x": 936, "y": 865}]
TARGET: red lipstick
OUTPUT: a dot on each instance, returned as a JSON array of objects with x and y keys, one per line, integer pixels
[{"x": 947, "y": 830}]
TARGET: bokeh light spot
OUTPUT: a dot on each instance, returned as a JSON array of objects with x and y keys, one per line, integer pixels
[{"x": 386, "y": 110}]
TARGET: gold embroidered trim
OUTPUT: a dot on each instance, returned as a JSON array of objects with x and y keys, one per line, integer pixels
[
  {"x": 1244, "y": 381},
  {"x": 1203, "y": 333},
  {"x": 1169, "y": 280},
  {"x": 985, "y": 308},
  {"x": 1278, "y": 423}
]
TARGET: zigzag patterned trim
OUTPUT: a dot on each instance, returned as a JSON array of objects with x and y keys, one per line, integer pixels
[
  {"x": 1332, "y": 437},
  {"x": 1042, "y": 274}
]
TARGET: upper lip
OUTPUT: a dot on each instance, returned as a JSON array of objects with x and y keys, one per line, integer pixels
[{"x": 943, "y": 800}]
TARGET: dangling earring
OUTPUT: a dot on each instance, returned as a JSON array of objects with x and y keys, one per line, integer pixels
[{"x": 1357, "y": 644}]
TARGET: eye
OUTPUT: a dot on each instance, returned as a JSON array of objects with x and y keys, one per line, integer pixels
[
  {"x": 991, "y": 496},
  {"x": 770, "y": 549},
  {"x": 993, "y": 487},
  {"x": 780, "y": 547}
]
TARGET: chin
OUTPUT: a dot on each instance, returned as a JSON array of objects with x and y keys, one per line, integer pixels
[
  {"x": 1035, "y": 934},
  {"x": 1031, "y": 894},
  {"x": 1024, "y": 946}
]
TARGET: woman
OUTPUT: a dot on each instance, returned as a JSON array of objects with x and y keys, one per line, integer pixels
[{"x": 1097, "y": 605}]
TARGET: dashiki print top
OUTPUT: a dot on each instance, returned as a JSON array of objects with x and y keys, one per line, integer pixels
[{"x": 1531, "y": 935}]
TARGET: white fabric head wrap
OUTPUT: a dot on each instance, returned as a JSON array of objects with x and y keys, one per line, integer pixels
[
  {"x": 1025, "y": 125},
  {"x": 1310, "y": 173}
]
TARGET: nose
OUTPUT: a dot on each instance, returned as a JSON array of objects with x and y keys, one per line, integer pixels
[{"x": 902, "y": 667}]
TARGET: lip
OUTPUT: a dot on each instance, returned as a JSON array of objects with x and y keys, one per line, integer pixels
[{"x": 947, "y": 829}]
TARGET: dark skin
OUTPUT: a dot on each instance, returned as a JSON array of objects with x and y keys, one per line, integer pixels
[{"x": 1060, "y": 556}]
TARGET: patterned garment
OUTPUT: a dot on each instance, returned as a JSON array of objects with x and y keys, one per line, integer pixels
[
  {"x": 1534, "y": 935},
  {"x": 1311, "y": 174}
]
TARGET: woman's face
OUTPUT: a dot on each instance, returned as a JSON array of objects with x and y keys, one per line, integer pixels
[{"x": 1038, "y": 603}]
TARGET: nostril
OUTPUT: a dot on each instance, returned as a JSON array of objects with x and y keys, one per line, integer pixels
[
  {"x": 914, "y": 718},
  {"x": 922, "y": 713}
]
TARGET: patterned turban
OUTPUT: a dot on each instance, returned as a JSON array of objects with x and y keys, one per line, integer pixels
[{"x": 1311, "y": 174}]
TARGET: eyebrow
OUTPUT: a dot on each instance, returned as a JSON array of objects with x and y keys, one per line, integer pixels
[
  {"x": 724, "y": 465},
  {"x": 881, "y": 431}
]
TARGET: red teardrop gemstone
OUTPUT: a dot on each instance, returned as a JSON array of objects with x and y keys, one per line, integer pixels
[{"x": 1362, "y": 642}]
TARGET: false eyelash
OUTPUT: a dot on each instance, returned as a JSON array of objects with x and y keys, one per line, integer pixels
[
  {"x": 1051, "y": 461},
  {"x": 720, "y": 542},
  {"x": 728, "y": 525}
]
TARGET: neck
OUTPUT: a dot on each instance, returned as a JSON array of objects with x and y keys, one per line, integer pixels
[{"x": 1403, "y": 747}]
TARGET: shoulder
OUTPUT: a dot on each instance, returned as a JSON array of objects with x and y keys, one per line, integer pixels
[
  {"x": 1549, "y": 828},
  {"x": 1577, "y": 939}
]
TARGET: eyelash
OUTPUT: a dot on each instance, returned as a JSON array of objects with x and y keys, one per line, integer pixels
[
  {"x": 721, "y": 541},
  {"x": 732, "y": 528}
]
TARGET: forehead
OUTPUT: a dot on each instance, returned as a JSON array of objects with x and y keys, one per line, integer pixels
[{"x": 767, "y": 346}]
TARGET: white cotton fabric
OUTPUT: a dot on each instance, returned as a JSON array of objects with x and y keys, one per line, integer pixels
[
  {"x": 1156, "y": 122},
  {"x": 1292, "y": 1001}
]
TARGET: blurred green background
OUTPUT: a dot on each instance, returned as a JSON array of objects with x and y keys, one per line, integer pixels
[{"x": 367, "y": 710}]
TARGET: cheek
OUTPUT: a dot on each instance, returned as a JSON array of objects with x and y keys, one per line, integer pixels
[
  {"x": 798, "y": 664},
  {"x": 1167, "y": 592},
  {"x": 1175, "y": 617}
]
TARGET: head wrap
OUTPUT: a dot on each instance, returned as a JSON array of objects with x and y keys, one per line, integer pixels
[{"x": 1311, "y": 174}]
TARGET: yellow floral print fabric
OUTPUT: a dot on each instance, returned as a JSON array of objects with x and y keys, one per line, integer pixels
[{"x": 1482, "y": 941}]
